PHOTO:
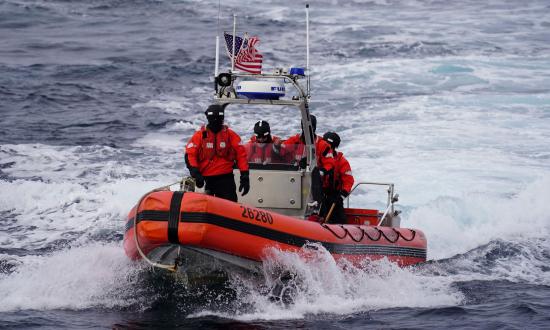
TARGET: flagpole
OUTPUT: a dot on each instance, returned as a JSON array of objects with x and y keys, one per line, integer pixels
[
  {"x": 234, "y": 39},
  {"x": 307, "y": 48},
  {"x": 217, "y": 65}
]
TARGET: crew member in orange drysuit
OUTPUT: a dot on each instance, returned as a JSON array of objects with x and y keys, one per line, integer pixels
[
  {"x": 211, "y": 154},
  {"x": 336, "y": 187},
  {"x": 294, "y": 148},
  {"x": 262, "y": 147}
]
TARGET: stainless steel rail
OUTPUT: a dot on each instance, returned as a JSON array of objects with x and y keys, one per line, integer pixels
[
  {"x": 392, "y": 198},
  {"x": 226, "y": 93}
]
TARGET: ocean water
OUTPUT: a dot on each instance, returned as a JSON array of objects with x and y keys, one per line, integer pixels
[{"x": 448, "y": 100}]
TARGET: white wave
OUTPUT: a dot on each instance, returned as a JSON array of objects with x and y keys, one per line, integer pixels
[
  {"x": 328, "y": 287},
  {"x": 47, "y": 212},
  {"x": 164, "y": 142},
  {"x": 178, "y": 105},
  {"x": 67, "y": 193},
  {"x": 174, "y": 107},
  {"x": 399, "y": 76},
  {"x": 96, "y": 275},
  {"x": 519, "y": 260},
  {"x": 456, "y": 225}
]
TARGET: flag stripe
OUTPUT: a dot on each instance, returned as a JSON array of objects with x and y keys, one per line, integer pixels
[
  {"x": 246, "y": 66},
  {"x": 247, "y": 57}
]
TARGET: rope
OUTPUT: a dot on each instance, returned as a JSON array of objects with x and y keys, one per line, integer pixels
[
  {"x": 353, "y": 238},
  {"x": 387, "y": 238},
  {"x": 138, "y": 247},
  {"x": 408, "y": 240},
  {"x": 365, "y": 232},
  {"x": 333, "y": 233},
  {"x": 372, "y": 239}
]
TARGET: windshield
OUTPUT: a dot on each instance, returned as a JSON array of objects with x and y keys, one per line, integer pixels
[{"x": 274, "y": 153}]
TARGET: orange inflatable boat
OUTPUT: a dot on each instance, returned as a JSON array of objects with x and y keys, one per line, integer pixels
[
  {"x": 169, "y": 222},
  {"x": 171, "y": 229}
]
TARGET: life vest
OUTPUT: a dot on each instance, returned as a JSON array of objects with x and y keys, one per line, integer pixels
[
  {"x": 215, "y": 153},
  {"x": 261, "y": 153},
  {"x": 342, "y": 178},
  {"x": 215, "y": 144},
  {"x": 294, "y": 148}
]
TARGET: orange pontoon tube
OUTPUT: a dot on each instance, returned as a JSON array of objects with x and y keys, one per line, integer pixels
[{"x": 197, "y": 220}]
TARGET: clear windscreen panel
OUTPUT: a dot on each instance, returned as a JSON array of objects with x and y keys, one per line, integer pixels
[
  {"x": 265, "y": 155},
  {"x": 369, "y": 196}
]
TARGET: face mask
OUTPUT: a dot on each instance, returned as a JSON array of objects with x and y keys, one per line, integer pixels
[{"x": 215, "y": 124}]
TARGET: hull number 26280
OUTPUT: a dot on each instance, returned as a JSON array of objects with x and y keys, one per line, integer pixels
[{"x": 257, "y": 215}]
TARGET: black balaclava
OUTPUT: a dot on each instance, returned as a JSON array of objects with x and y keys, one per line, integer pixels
[
  {"x": 214, "y": 115},
  {"x": 261, "y": 130},
  {"x": 313, "y": 124}
]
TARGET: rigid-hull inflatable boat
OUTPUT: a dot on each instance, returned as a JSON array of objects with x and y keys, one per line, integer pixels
[{"x": 186, "y": 227}]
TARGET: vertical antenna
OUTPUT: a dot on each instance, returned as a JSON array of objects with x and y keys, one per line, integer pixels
[
  {"x": 217, "y": 65},
  {"x": 234, "y": 40},
  {"x": 217, "y": 56},
  {"x": 307, "y": 49}
]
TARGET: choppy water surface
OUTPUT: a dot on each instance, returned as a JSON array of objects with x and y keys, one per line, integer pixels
[{"x": 450, "y": 101}]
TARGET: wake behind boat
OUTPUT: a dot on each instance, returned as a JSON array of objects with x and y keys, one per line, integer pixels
[{"x": 183, "y": 228}]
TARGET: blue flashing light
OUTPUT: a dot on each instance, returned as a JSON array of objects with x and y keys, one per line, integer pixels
[{"x": 297, "y": 71}]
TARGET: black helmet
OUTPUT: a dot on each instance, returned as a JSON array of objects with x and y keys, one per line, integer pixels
[
  {"x": 215, "y": 110},
  {"x": 332, "y": 138},
  {"x": 261, "y": 129}
]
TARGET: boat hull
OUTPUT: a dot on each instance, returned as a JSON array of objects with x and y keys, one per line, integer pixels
[{"x": 166, "y": 222}]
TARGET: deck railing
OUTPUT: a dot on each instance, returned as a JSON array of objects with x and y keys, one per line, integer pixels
[{"x": 392, "y": 197}]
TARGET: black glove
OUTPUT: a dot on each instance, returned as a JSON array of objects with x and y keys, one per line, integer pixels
[
  {"x": 245, "y": 183},
  {"x": 303, "y": 162},
  {"x": 324, "y": 172},
  {"x": 344, "y": 193},
  {"x": 335, "y": 197},
  {"x": 196, "y": 174}
]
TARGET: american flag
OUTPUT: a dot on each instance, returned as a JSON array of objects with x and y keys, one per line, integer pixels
[{"x": 248, "y": 58}]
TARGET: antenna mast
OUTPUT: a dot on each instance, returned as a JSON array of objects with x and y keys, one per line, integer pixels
[
  {"x": 217, "y": 65},
  {"x": 307, "y": 50},
  {"x": 234, "y": 40}
]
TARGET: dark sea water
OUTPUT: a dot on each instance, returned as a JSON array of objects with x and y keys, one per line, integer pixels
[{"x": 448, "y": 100}]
